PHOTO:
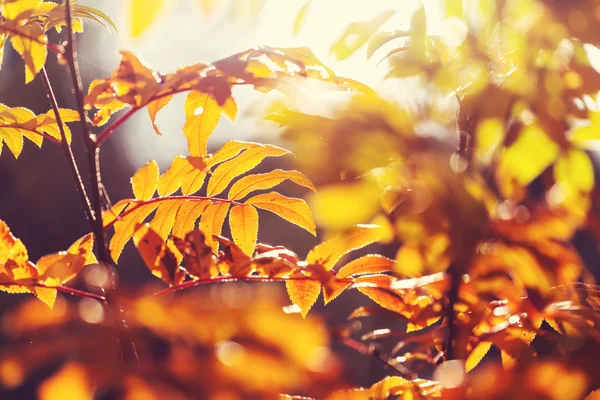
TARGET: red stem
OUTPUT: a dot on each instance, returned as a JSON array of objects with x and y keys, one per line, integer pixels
[
  {"x": 225, "y": 279},
  {"x": 157, "y": 199},
  {"x": 74, "y": 292}
]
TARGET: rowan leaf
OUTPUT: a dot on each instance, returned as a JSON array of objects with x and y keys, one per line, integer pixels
[
  {"x": 198, "y": 259},
  {"x": 194, "y": 178},
  {"x": 145, "y": 181},
  {"x": 358, "y": 34},
  {"x": 291, "y": 209},
  {"x": 154, "y": 107},
  {"x": 212, "y": 221},
  {"x": 170, "y": 181},
  {"x": 202, "y": 115},
  {"x": 303, "y": 293},
  {"x": 328, "y": 253},
  {"x": 477, "y": 354},
  {"x": 142, "y": 14},
  {"x": 30, "y": 42},
  {"x": 164, "y": 219},
  {"x": 251, "y": 183},
  {"x": 248, "y": 159},
  {"x": 110, "y": 216},
  {"x": 56, "y": 269},
  {"x": 187, "y": 215},
  {"x": 159, "y": 256},
  {"x": 243, "y": 222},
  {"x": 230, "y": 149},
  {"x": 84, "y": 247},
  {"x": 369, "y": 264},
  {"x": 126, "y": 225},
  {"x": 333, "y": 288}
]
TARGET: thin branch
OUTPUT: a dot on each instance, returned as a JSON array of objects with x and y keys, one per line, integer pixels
[
  {"x": 167, "y": 198},
  {"x": 225, "y": 279},
  {"x": 55, "y": 48},
  {"x": 67, "y": 149},
  {"x": 73, "y": 292},
  {"x": 93, "y": 152}
]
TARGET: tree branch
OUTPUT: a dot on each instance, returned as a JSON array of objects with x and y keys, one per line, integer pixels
[
  {"x": 74, "y": 292},
  {"x": 67, "y": 149},
  {"x": 93, "y": 152}
]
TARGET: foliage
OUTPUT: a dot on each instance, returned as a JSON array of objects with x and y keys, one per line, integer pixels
[{"x": 476, "y": 194}]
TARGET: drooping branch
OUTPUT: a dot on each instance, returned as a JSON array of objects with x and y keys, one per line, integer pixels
[
  {"x": 93, "y": 152},
  {"x": 74, "y": 292},
  {"x": 67, "y": 149}
]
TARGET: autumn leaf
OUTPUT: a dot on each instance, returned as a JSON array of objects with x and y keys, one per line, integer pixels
[
  {"x": 357, "y": 34},
  {"x": 251, "y": 183},
  {"x": 328, "y": 253},
  {"x": 30, "y": 43},
  {"x": 159, "y": 256},
  {"x": 189, "y": 212},
  {"x": 198, "y": 259},
  {"x": 477, "y": 354},
  {"x": 125, "y": 227},
  {"x": 153, "y": 109},
  {"x": 243, "y": 222},
  {"x": 369, "y": 264},
  {"x": 303, "y": 293},
  {"x": 164, "y": 219},
  {"x": 145, "y": 181},
  {"x": 212, "y": 221},
  {"x": 293, "y": 210},
  {"x": 248, "y": 159}
]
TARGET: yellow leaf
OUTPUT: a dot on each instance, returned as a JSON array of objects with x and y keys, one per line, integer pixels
[
  {"x": 142, "y": 13},
  {"x": 303, "y": 293},
  {"x": 164, "y": 219},
  {"x": 357, "y": 34},
  {"x": 251, "y": 183},
  {"x": 13, "y": 9},
  {"x": 194, "y": 179},
  {"x": 369, "y": 264},
  {"x": 126, "y": 225},
  {"x": 188, "y": 214},
  {"x": 328, "y": 253},
  {"x": 575, "y": 169},
  {"x": 46, "y": 295},
  {"x": 229, "y": 150},
  {"x": 69, "y": 383},
  {"x": 158, "y": 255},
  {"x": 84, "y": 247},
  {"x": 212, "y": 222},
  {"x": 477, "y": 354},
  {"x": 291, "y": 209},
  {"x": 490, "y": 134},
  {"x": 32, "y": 52},
  {"x": 333, "y": 288},
  {"x": 153, "y": 109},
  {"x": 170, "y": 181},
  {"x": 109, "y": 216},
  {"x": 145, "y": 181},
  {"x": 56, "y": 269},
  {"x": 13, "y": 140},
  {"x": 229, "y": 170},
  {"x": 243, "y": 222},
  {"x": 202, "y": 115}
]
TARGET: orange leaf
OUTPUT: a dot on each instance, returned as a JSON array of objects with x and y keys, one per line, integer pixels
[
  {"x": 369, "y": 264},
  {"x": 164, "y": 219},
  {"x": 202, "y": 115},
  {"x": 251, "y": 183},
  {"x": 293, "y": 210},
  {"x": 303, "y": 293},
  {"x": 243, "y": 222},
  {"x": 153, "y": 109},
  {"x": 158, "y": 255},
  {"x": 198, "y": 258},
  {"x": 145, "y": 181},
  {"x": 477, "y": 354},
  {"x": 212, "y": 221},
  {"x": 126, "y": 226},
  {"x": 188, "y": 214}
]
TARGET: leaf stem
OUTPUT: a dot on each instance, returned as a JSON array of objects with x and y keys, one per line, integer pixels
[
  {"x": 74, "y": 292},
  {"x": 225, "y": 279},
  {"x": 166, "y": 198},
  {"x": 93, "y": 153},
  {"x": 67, "y": 149},
  {"x": 102, "y": 136}
]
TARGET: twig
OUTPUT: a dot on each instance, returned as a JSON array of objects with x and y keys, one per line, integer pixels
[
  {"x": 67, "y": 149},
  {"x": 224, "y": 279},
  {"x": 74, "y": 292},
  {"x": 169, "y": 198},
  {"x": 93, "y": 152}
]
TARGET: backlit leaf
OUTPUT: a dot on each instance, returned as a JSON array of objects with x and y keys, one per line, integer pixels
[
  {"x": 230, "y": 149},
  {"x": 202, "y": 115},
  {"x": 293, "y": 210},
  {"x": 158, "y": 255},
  {"x": 142, "y": 14},
  {"x": 153, "y": 109},
  {"x": 145, "y": 181},
  {"x": 575, "y": 169},
  {"x": 328, "y": 253},
  {"x": 357, "y": 34},
  {"x": 212, "y": 221},
  {"x": 303, "y": 293},
  {"x": 33, "y": 52},
  {"x": 164, "y": 219},
  {"x": 369, "y": 264},
  {"x": 198, "y": 259},
  {"x": 126, "y": 225},
  {"x": 229, "y": 170},
  {"x": 477, "y": 354},
  {"x": 251, "y": 183},
  {"x": 189, "y": 212},
  {"x": 171, "y": 180},
  {"x": 243, "y": 222}
]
